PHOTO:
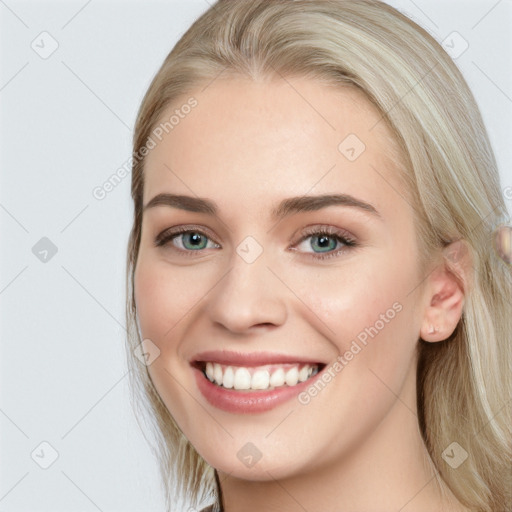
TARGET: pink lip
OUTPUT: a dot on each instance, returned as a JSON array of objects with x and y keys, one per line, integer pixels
[
  {"x": 247, "y": 402},
  {"x": 249, "y": 359}
]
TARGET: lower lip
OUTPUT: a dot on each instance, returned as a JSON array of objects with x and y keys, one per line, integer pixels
[{"x": 244, "y": 402}]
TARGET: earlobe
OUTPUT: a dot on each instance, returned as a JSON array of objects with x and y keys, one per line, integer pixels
[{"x": 446, "y": 288}]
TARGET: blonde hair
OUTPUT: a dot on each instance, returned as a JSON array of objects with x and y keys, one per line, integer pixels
[{"x": 463, "y": 383}]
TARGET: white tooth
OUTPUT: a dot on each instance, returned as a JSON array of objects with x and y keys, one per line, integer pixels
[
  {"x": 277, "y": 378},
  {"x": 303, "y": 373},
  {"x": 229, "y": 378},
  {"x": 209, "y": 371},
  {"x": 292, "y": 376},
  {"x": 260, "y": 379},
  {"x": 314, "y": 370},
  {"x": 217, "y": 373},
  {"x": 242, "y": 379}
]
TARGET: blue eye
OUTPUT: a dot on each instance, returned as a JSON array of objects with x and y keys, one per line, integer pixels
[
  {"x": 186, "y": 240},
  {"x": 319, "y": 242},
  {"x": 325, "y": 243},
  {"x": 193, "y": 240}
]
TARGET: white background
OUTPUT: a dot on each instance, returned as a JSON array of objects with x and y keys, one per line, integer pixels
[{"x": 66, "y": 127}]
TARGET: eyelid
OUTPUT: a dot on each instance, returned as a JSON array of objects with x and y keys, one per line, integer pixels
[
  {"x": 345, "y": 237},
  {"x": 315, "y": 229},
  {"x": 349, "y": 241},
  {"x": 168, "y": 233}
]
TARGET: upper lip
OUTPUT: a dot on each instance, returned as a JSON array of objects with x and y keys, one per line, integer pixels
[{"x": 227, "y": 357}]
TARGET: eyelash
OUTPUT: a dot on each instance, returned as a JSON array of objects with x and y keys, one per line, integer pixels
[{"x": 340, "y": 236}]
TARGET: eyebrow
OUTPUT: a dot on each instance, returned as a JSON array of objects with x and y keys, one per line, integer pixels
[{"x": 285, "y": 208}]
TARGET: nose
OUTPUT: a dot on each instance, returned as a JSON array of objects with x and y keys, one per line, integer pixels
[{"x": 248, "y": 297}]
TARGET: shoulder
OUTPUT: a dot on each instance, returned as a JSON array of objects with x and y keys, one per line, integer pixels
[{"x": 207, "y": 509}]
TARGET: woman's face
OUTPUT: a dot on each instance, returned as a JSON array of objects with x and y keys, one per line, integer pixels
[{"x": 300, "y": 251}]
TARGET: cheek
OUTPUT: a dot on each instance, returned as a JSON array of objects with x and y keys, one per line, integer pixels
[
  {"x": 152, "y": 298},
  {"x": 164, "y": 296},
  {"x": 367, "y": 305},
  {"x": 163, "y": 299},
  {"x": 372, "y": 324}
]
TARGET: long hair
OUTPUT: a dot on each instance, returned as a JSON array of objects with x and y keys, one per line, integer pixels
[{"x": 463, "y": 383}]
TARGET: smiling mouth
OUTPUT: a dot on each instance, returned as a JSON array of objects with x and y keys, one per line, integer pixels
[{"x": 258, "y": 378}]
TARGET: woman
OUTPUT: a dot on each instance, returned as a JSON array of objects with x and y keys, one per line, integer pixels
[{"x": 311, "y": 276}]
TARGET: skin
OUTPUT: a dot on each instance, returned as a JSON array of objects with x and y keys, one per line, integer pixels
[{"x": 247, "y": 145}]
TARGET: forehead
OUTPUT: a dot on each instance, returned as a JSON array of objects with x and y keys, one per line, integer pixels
[{"x": 281, "y": 136}]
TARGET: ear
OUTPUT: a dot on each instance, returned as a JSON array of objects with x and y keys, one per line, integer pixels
[{"x": 445, "y": 290}]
